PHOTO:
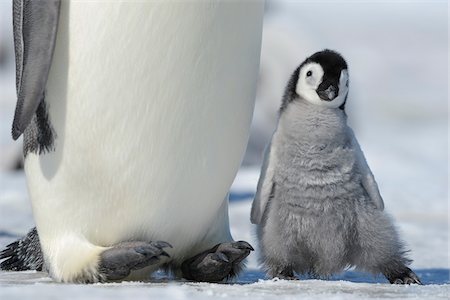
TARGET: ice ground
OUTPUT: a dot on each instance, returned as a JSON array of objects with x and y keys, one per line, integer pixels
[{"x": 36, "y": 287}]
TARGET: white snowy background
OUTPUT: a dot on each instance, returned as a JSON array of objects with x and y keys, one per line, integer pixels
[{"x": 397, "y": 53}]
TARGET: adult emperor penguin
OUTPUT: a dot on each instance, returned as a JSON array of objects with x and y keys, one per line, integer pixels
[
  {"x": 318, "y": 207},
  {"x": 135, "y": 117}
]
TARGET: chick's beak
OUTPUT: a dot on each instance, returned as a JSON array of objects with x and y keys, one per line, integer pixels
[{"x": 329, "y": 93}]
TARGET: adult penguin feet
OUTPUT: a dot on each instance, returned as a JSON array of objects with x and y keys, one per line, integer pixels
[
  {"x": 219, "y": 263},
  {"x": 117, "y": 262}
]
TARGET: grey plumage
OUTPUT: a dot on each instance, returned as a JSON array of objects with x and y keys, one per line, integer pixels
[
  {"x": 317, "y": 206},
  {"x": 35, "y": 25}
]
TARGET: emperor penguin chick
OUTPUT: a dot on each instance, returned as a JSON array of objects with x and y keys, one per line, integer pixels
[{"x": 317, "y": 206}]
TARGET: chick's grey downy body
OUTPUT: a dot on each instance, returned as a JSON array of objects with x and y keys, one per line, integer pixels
[
  {"x": 320, "y": 218},
  {"x": 317, "y": 207}
]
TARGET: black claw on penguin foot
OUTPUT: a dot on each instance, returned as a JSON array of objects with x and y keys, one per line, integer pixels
[
  {"x": 218, "y": 263},
  {"x": 117, "y": 262},
  {"x": 405, "y": 277}
]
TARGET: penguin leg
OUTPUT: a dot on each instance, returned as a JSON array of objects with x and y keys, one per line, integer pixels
[
  {"x": 276, "y": 263},
  {"x": 113, "y": 263},
  {"x": 276, "y": 260},
  {"x": 380, "y": 249},
  {"x": 221, "y": 262},
  {"x": 71, "y": 258},
  {"x": 276, "y": 248},
  {"x": 285, "y": 273},
  {"x": 119, "y": 261}
]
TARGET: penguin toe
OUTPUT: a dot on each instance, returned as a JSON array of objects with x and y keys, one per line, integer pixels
[
  {"x": 235, "y": 251},
  {"x": 221, "y": 262},
  {"x": 406, "y": 277},
  {"x": 117, "y": 262},
  {"x": 411, "y": 278}
]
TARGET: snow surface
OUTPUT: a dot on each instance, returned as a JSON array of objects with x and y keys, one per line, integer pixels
[
  {"x": 398, "y": 57},
  {"x": 34, "y": 285}
]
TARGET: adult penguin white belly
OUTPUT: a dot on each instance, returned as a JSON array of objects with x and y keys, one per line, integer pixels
[{"x": 141, "y": 131}]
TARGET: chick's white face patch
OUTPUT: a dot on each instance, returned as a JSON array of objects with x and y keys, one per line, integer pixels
[{"x": 309, "y": 79}]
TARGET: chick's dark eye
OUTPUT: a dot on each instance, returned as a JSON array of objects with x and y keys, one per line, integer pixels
[{"x": 309, "y": 73}]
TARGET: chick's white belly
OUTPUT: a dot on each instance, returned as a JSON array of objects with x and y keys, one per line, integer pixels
[{"x": 148, "y": 138}]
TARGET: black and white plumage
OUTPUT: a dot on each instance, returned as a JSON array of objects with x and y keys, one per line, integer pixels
[
  {"x": 128, "y": 111},
  {"x": 23, "y": 254},
  {"x": 317, "y": 206}
]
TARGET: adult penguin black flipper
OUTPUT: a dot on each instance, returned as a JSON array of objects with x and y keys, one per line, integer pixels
[{"x": 35, "y": 26}]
